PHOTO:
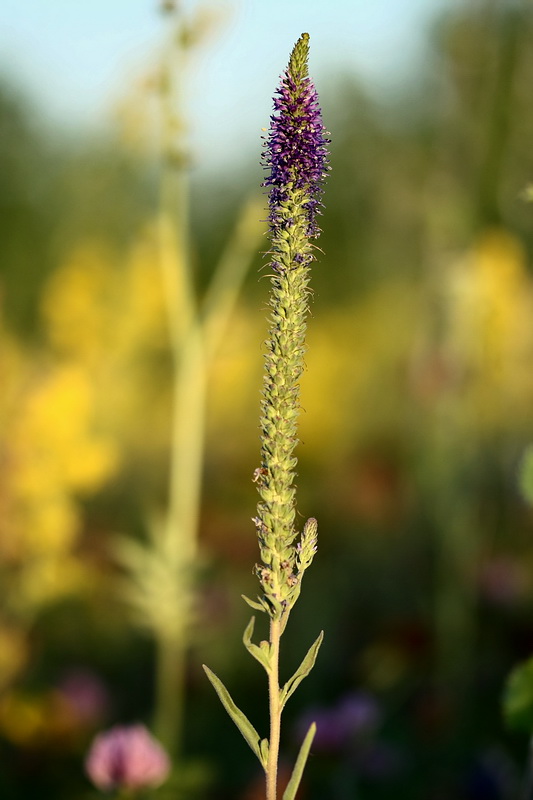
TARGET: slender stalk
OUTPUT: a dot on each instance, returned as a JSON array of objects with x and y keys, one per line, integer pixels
[
  {"x": 195, "y": 334},
  {"x": 187, "y": 436},
  {"x": 185, "y": 486},
  {"x": 170, "y": 665},
  {"x": 497, "y": 125},
  {"x": 275, "y": 712},
  {"x": 174, "y": 197},
  {"x": 187, "y": 447}
]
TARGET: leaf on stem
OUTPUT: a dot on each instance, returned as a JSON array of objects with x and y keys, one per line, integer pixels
[
  {"x": 239, "y": 718},
  {"x": 296, "y": 777},
  {"x": 260, "y": 653},
  {"x": 302, "y": 672},
  {"x": 264, "y": 752},
  {"x": 257, "y": 605}
]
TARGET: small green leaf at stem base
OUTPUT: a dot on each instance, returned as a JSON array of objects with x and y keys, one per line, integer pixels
[
  {"x": 303, "y": 670},
  {"x": 239, "y": 718},
  {"x": 264, "y": 752},
  {"x": 296, "y": 777},
  {"x": 261, "y": 654}
]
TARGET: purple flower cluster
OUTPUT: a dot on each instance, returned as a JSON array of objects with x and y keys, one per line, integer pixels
[
  {"x": 127, "y": 757},
  {"x": 349, "y": 731},
  {"x": 356, "y": 716},
  {"x": 296, "y": 148}
]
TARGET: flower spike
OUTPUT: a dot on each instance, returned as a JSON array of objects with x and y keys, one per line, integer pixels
[
  {"x": 296, "y": 149},
  {"x": 296, "y": 159},
  {"x": 296, "y": 156}
]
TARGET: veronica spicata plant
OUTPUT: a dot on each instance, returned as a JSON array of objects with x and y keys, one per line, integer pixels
[{"x": 296, "y": 157}]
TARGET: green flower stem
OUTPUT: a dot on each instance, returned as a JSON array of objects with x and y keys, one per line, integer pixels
[
  {"x": 296, "y": 158},
  {"x": 275, "y": 712},
  {"x": 187, "y": 447},
  {"x": 185, "y": 332},
  {"x": 188, "y": 410},
  {"x": 174, "y": 199},
  {"x": 170, "y": 691}
]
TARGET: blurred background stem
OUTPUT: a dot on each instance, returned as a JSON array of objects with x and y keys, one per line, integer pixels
[
  {"x": 170, "y": 691},
  {"x": 500, "y": 110},
  {"x": 195, "y": 331},
  {"x": 187, "y": 436}
]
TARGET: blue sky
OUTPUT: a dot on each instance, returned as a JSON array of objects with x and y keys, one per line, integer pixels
[{"x": 77, "y": 58}]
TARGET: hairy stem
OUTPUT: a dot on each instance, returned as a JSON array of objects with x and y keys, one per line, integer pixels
[{"x": 275, "y": 712}]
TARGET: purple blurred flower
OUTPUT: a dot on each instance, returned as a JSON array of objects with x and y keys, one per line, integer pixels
[
  {"x": 85, "y": 694},
  {"x": 127, "y": 757},
  {"x": 356, "y": 716},
  {"x": 358, "y": 713}
]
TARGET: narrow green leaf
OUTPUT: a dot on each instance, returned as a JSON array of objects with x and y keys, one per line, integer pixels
[
  {"x": 286, "y": 614},
  {"x": 239, "y": 718},
  {"x": 265, "y": 746},
  {"x": 276, "y": 609},
  {"x": 303, "y": 670},
  {"x": 296, "y": 777},
  {"x": 248, "y": 632},
  {"x": 255, "y": 604},
  {"x": 261, "y": 654}
]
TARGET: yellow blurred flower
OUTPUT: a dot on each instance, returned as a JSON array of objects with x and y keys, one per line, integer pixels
[
  {"x": 108, "y": 317},
  {"x": 52, "y": 453},
  {"x": 78, "y": 303},
  {"x": 49, "y": 525},
  {"x": 356, "y": 359},
  {"x": 51, "y": 436},
  {"x": 22, "y": 718},
  {"x": 355, "y": 384},
  {"x": 100, "y": 309},
  {"x": 13, "y": 654},
  {"x": 490, "y": 333},
  {"x": 38, "y": 720},
  {"x": 49, "y": 578}
]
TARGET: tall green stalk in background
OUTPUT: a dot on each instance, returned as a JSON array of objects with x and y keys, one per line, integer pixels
[
  {"x": 162, "y": 571},
  {"x": 180, "y": 528},
  {"x": 296, "y": 159}
]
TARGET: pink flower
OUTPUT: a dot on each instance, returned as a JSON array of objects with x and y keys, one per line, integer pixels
[{"x": 127, "y": 757}]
